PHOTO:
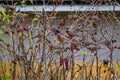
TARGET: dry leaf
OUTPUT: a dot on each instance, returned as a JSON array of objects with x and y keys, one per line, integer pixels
[
  {"x": 70, "y": 34},
  {"x": 87, "y": 44},
  {"x": 93, "y": 49},
  {"x": 62, "y": 23},
  {"x": 40, "y": 35},
  {"x": 51, "y": 48},
  {"x": 93, "y": 38},
  {"x": 72, "y": 17},
  {"x": 60, "y": 38},
  {"x": 95, "y": 25}
]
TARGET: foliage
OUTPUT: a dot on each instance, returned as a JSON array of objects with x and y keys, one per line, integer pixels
[{"x": 41, "y": 45}]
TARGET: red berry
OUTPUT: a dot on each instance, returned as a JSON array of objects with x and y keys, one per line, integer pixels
[
  {"x": 7, "y": 45},
  {"x": 113, "y": 41},
  {"x": 61, "y": 61},
  {"x": 6, "y": 32},
  {"x": 77, "y": 48},
  {"x": 25, "y": 28},
  {"x": 112, "y": 71},
  {"x": 19, "y": 30},
  {"x": 118, "y": 47},
  {"x": 66, "y": 63}
]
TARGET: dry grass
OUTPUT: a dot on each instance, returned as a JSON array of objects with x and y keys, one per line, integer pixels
[{"x": 77, "y": 70}]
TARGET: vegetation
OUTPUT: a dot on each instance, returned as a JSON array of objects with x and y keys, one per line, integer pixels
[{"x": 42, "y": 46}]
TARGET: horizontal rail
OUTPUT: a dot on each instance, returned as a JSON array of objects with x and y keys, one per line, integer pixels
[{"x": 64, "y": 8}]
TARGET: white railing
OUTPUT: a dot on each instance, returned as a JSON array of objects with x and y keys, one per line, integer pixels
[{"x": 68, "y": 8}]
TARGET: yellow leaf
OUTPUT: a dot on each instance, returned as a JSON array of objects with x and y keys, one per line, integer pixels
[
  {"x": 35, "y": 19},
  {"x": 118, "y": 70},
  {"x": 57, "y": 41},
  {"x": 84, "y": 52}
]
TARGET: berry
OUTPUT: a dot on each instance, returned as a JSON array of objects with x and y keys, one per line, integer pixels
[
  {"x": 61, "y": 61},
  {"x": 66, "y": 63},
  {"x": 25, "y": 28},
  {"x": 6, "y": 32},
  {"x": 77, "y": 48},
  {"x": 19, "y": 30}
]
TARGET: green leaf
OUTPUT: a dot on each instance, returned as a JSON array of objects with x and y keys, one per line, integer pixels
[
  {"x": 1, "y": 51},
  {"x": 2, "y": 65},
  {"x": 25, "y": 14},
  {"x": 15, "y": 3},
  {"x": 31, "y": 1},
  {"x": 3, "y": 35},
  {"x": 4, "y": 27},
  {"x": 23, "y": 3},
  {"x": 11, "y": 67},
  {"x": 3, "y": 12},
  {"x": 1, "y": 31},
  {"x": 8, "y": 19},
  {"x": 29, "y": 35},
  {"x": 34, "y": 8},
  {"x": 5, "y": 77},
  {"x": 20, "y": 34}
]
